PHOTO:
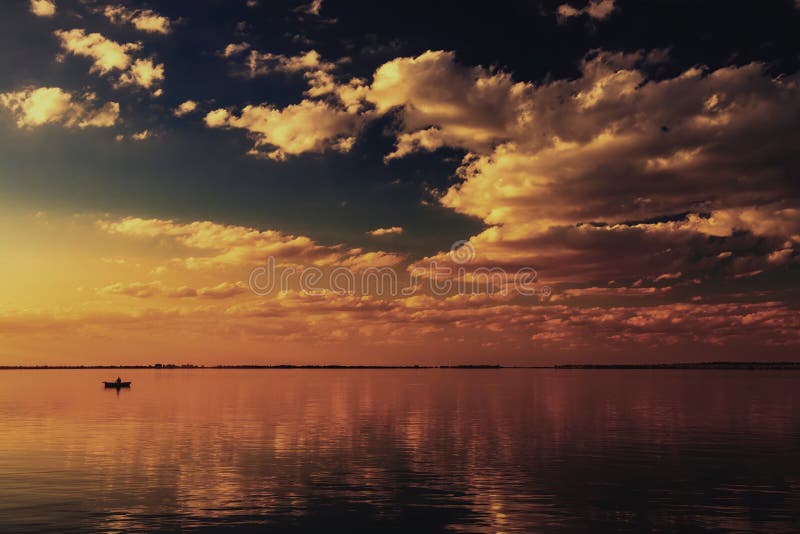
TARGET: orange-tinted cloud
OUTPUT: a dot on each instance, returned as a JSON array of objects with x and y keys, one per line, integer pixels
[
  {"x": 43, "y": 8},
  {"x": 110, "y": 56},
  {"x": 145, "y": 20},
  {"x": 310, "y": 126},
  {"x": 32, "y": 107},
  {"x": 392, "y": 230},
  {"x": 218, "y": 245},
  {"x": 596, "y": 9},
  {"x": 222, "y": 290}
]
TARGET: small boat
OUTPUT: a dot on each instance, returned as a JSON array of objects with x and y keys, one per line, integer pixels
[{"x": 117, "y": 384}]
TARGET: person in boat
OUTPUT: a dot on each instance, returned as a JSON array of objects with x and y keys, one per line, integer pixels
[{"x": 119, "y": 380}]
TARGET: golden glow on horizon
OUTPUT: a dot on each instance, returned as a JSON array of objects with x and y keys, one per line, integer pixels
[{"x": 92, "y": 289}]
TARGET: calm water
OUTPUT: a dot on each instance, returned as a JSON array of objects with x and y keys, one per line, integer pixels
[{"x": 427, "y": 450}]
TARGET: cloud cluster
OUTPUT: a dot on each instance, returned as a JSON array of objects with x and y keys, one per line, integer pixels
[
  {"x": 616, "y": 322},
  {"x": 441, "y": 103},
  {"x": 157, "y": 289},
  {"x": 313, "y": 125},
  {"x": 596, "y": 9},
  {"x": 142, "y": 135},
  {"x": 145, "y": 20},
  {"x": 318, "y": 73},
  {"x": 590, "y": 180},
  {"x": 573, "y": 176},
  {"x": 32, "y": 107},
  {"x": 586, "y": 179},
  {"x": 214, "y": 245},
  {"x": 109, "y": 56},
  {"x": 622, "y": 189},
  {"x": 450, "y": 326},
  {"x": 262, "y": 63}
]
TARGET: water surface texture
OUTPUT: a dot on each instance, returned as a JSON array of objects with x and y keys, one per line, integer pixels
[{"x": 402, "y": 450}]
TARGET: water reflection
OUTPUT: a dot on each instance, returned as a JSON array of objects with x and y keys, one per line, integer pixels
[{"x": 464, "y": 450}]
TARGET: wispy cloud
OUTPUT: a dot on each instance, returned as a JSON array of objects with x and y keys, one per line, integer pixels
[
  {"x": 157, "y": 289},
  {"x": 393, "y": 230},
  {"x": 596, "y": 9},
  {"x": 145, "y": 20},
  {"x": 213, "y": 245},
  {"x": 312, "y": 8}
]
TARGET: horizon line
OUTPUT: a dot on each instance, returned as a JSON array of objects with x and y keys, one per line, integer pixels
[{"x": 724, "y": 364}]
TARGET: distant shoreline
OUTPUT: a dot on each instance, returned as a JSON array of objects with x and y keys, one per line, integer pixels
[{"x": 658, "y": 366}]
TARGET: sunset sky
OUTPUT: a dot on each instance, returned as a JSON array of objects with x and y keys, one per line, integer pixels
[{"x": 642, "y": 157}]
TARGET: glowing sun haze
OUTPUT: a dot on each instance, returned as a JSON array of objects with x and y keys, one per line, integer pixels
[{"x": 149, "y": 164}]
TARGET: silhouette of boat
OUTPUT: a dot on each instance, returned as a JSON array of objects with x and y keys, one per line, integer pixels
[{"x": 117, "y": 385}]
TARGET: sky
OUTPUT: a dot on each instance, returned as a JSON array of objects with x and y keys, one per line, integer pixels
[{"x": 518, "y": 183}]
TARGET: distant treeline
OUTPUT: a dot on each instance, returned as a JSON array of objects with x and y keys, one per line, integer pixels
[
  {"x": 697, "y": 365},
  {"x": 247, "y": 366}
]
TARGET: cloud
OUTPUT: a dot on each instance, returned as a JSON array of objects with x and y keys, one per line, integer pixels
[
  {"x": 427, "y": 140},
  {"x": 43, "y": 8},
  {"x": 588, "y": 179},
  {"x": 32, "y": 107},
  {"x": 469, "y": 107},
  {"x": 214, "y": 245},
  {"x": 223, "y": 290},
  {"x": 573, "y": 175},
  {"x": 310, "y": 126},
  {"x": 557, "y": 329},
  {"x": 312, "y": 8},
  {"x": 136, "y": 136},
  {"x": 696, "y": 246},
  {"x": 611, "y": 321},
  {"x": 143, "y": 73},
  {"x": 444, "y": 103},
  {"x": 394, "y": 230},
  {"x": 234, "y": 49},
  {"x": 156, "y": 289},
  {"x": 554, "y": 154},
  {"x": 262, "y": 63},
  {"x": 134, "y": 289},
  {"x": 596, "y": 9},
  {"x": 328, "y": 119},
  {"x": 449, "y": 326},
  {"x": 609, "y": 291},
  {"x": 141, "y": 136},
  {"x": 185, "y": 108},
  {"x": 109, "y": 56},
  {"x": 145, "y": 20},
  {"x": 318, "y": 72}
]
